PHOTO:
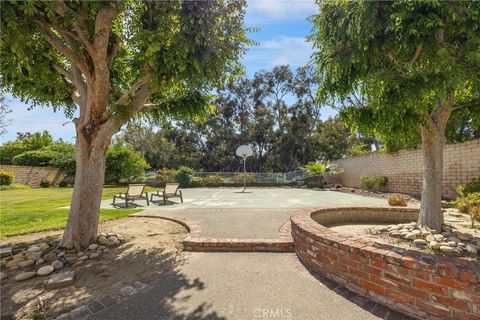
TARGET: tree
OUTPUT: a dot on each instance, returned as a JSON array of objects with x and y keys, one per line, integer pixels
[
  {"x": 415, "y": 62},
  {"x": 123, "y": 165},
  {"x": 112, "y": 61},
  {"x": 319, "y": 170}
]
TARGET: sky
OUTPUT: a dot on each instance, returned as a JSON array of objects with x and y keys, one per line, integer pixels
[{"x": 281, "y": 39}]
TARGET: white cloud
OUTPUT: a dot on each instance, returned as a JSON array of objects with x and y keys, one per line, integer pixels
[
  {"x": 280, "y": 9},
  {"x": 294, "y": 51}
]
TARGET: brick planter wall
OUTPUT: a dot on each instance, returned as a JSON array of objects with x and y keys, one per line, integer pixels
[{"x": 419, "y": 284}]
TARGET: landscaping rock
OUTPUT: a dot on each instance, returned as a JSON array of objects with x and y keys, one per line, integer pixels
[
  {"x": 79, "y": 254},
  {"x": 34, "y": 255},
  {"x": 452, "y": 243},
  {"x": 94, "y": 255},
  {"x": 14, "y": 263},
  {"x": 82, "y": 258},
  {"x": 472, "y": 250},
  {"x": 61, "y": 280},
  {"x": 446, "y": 249},
  {"x": 420, "y": 242},
  {"x": 430, "y": 238},
  {"x": 49, "y": 257},
  {"x": 76, "y": 264},
  {"x": 61, "y": 254},
  {"x": 411, "y": 236},
  {"x": 45, "y": 270},
  {"x": 34, "y": 249},
  {"x": 26, "y": 263},
  {"x": 44, "y": 246},
  {"x": 433, "y": 244},
  {"x": 25, "y": 276},
  {"x": 39, "y": 262},
  {"x": 5, "y": 252},
  {"x": 439, "y": 237},
  {"x": 3, "y": 276},
  {"x": 103, "y": 240},
  {"x": 93, "y": 246},
  {"x": 57, "y": 264}
]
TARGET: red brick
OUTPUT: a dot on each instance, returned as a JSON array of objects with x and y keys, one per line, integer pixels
[
  {"x": 383, "y": 265},
  {"x": 398, "y": 296},
  {"x": 371, "y": 286},
  {"x": 468, "y": 275},
  {"x": 436, "y": 309},
  {"x": 449, "y": 282},
  {"x": 359, "y": 273},
  {"x": 410, "y": 263},
  {"x": 370, "y": 269},
  {"x": 396, "y": 278},
  {"x": 451, "y": 302},
  {"x": 411, "y": 310},
  {"x": 428, "y": 286},
  {"x": 459, "y": 315},
  {"x": 414, "y": 292}
]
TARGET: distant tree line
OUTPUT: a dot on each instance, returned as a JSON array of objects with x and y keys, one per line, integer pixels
[{"x": 275, "y": 112}]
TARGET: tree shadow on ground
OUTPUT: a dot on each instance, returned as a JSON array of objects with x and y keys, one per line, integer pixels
[{"x": 108, "y": 276}]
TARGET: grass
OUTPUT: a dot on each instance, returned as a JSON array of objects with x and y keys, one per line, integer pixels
[{"x": 40, "y": 209}]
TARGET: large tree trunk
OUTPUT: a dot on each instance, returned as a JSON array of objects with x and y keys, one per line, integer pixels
[
  {"x": 82, "y": 224},
  {"x": 433, "y": 143}
]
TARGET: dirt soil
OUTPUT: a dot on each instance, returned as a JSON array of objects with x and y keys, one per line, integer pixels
[{"x": 151, "y": 245}]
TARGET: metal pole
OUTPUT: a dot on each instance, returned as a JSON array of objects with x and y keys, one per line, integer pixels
[{"x": 244, "y": 175}]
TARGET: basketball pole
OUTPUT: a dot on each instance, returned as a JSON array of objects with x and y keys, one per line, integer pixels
[{"x": 244, "y": 174}]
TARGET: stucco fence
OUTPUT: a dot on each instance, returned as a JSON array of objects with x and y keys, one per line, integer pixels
[
  {"x": 404, "y": 168},
  {"x": 33, "y": 175}
]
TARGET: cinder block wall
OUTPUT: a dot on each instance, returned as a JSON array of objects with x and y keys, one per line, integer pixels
[
  {"x": 404, "y": 168},
  {"x": 33, "y": 175}
]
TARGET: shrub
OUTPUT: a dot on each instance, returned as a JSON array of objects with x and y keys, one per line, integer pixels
[
  {"x": 184, "y": 176},
  {"x": 63, "y": 184},
  {"x": 397, "y": 201},
  {"x": 166, "y": 175},
  {"x": 213, "y": 179},
  {"x": 35, "y": 158},
  {"x": 6, "y": 178},
  {"x": 470, "y": 201},
  {"x": 123, "y": 165},
  {"x": 472, "y": 186},
  {"x": 16, "y": 186},
  {"x": 249, "y": 178},
  {"x": 44, "y": 183},
  {"x": 373, "y": 183}
]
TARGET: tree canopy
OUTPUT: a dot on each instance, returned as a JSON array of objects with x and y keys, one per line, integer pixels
[{"x": 402, "y": 58}]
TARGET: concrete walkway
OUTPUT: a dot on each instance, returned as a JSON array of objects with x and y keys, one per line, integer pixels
[
  {"x": 259, "y": 213},
  {"x": 241, "y": 286}
]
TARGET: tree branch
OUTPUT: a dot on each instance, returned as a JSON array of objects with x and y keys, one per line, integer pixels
[
  {"x": 113, "y": 54},
  {"x": 132, "y": 90},
  {"x": 397, "y": 62},
  {"x": 416, "y": 54}
]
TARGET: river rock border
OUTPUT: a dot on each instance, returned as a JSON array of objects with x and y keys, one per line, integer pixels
[{"x": 419, "y": 284}]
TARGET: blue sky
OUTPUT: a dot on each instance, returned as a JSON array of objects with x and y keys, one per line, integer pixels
[{"x": 281, "y": 40}]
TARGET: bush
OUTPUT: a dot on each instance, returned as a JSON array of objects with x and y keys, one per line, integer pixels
[
  {"x": 16, "y": 186},
  {"x": 249, "y": 178},
  {"x": 35, "y": 158},
  {"x": 213, "y": 179},
  {"x": 184, "y": 176},
  {"x": 44, "y": 183},
  {"x": 6, "y": 178},
  {"x": 123, "y": 165},
  {"x": 471, "y": 203},
  {"x": 373, "y": 183},
  {"x": 397, "y": 201},
  {"x": 63, "y": 184},
  {"x": 166, "y": 175},
  {"x": 472, "y": 186}
]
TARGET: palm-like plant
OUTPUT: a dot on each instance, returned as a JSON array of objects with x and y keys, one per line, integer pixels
[{"x": 320, "y": 170}]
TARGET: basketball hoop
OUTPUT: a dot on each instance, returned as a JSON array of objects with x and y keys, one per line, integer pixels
[{"x": 244, "y": 151}]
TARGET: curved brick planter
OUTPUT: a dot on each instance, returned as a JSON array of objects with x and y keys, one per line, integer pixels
[{"x": 419, "y": 284}]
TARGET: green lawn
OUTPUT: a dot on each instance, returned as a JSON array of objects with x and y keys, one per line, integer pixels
[{"x": 31, "y": 210}]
